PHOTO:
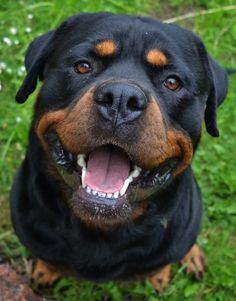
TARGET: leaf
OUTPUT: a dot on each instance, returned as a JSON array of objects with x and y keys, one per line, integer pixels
[{"x": 191, "y": 290}]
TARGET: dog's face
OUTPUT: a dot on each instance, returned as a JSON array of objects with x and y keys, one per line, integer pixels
[{"x": 120, "y": 110}]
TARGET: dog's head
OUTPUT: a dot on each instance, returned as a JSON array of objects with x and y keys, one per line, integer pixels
[{"x": 121, "y": 108}]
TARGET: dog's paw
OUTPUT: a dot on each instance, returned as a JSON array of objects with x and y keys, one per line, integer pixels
[
  {"x": 195, "y": 263},
  {"x": 44, "y": 274},
  {"x": 161, "y": 279}
]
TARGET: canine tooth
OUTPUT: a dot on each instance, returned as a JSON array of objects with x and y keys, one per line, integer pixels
[
  {"x": 125, "y": 186},
  {"x": 88, "y": 189},
  {"x": 129, "y": 179},
  {"x": 136, "y": 172},
  {"x": 81, "y": 160},
  {"x": 116, "y": 195},
  {"x": 83, "y": 176}
]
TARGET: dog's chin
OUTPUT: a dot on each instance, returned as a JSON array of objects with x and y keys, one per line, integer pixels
[{"x": 106, "y": 187}]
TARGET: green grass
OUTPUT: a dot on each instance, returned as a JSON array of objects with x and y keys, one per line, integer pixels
[{"x": 214, "y": 164}]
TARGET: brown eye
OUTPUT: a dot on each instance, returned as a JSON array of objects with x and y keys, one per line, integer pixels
[
  {"x": 83, "y": 67},
  {"x": 172, "y": 83}
]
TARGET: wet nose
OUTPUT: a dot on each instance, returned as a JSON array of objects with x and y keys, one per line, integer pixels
[{"x": 120, "y": 102}]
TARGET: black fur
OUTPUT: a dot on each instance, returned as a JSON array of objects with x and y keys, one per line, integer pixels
[{"x": 171, "y": 222}]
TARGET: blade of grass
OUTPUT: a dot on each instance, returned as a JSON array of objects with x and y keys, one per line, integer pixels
[
  {"x": 6, "y": 148},
  {"x": 200, "y": 13}
]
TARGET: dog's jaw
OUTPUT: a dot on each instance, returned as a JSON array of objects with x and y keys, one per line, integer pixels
[{"x": 142, "y": 166}]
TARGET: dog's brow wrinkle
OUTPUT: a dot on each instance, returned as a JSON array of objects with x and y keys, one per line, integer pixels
[
  {"x": 156, "y": 57},
  {"x": 106, "y": 48}
]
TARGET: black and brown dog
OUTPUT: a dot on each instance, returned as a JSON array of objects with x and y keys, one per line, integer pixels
[{"x": 106, "y": 190}]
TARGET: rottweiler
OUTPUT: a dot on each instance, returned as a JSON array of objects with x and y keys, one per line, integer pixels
[{"x": 106, "y": 190}]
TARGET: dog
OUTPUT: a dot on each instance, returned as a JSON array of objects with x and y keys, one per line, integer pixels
[{"x": 106, "y": 190}]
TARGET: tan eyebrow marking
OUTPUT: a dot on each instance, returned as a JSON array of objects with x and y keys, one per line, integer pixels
[
  {"x": 106, "y": 48},
  {"x": 156, "y": 57}
]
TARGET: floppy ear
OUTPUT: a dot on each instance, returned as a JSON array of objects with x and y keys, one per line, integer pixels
[
  {"x": 37, "y": 53},
  {"x": 42, "y": 47},
  {"x": 218, "y": 90}
]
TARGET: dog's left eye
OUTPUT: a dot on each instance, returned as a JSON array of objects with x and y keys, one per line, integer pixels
[
  {"x": 172, "y": 83},
  {"x": 83, "y": 67}
]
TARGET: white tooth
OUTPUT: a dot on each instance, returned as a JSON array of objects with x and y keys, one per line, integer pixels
[
  {"x": 125, "y": 186},
  {"x": 83, "y": 177},
  {"x": 109, "y": 195},
  {"x": 94, "y": 192},
  {"x": 81, "y": 160},
  {"x": 130, "y": 179},
  {"x": 136, "y": 172},
  {"x": 102, "y": 194},
  {"x": 167, "y": 177},
  {"x": 88, "y": 189},
  {"x": 116, "y": 195}
]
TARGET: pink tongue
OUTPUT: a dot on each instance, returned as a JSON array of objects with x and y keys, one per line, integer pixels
[{"x": 107, "y": 169}]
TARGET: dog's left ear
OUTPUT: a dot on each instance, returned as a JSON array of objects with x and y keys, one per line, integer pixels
[{"x": 218, "y": 90}]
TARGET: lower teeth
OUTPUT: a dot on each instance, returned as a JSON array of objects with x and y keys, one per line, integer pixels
[
  {"x": 114, "y": 195},
  {"x": 134, "y": 174}
]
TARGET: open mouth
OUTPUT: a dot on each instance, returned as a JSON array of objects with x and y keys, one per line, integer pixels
[
  {"x": 107, "y": 176},
  {"x": 108, "y": 172}
]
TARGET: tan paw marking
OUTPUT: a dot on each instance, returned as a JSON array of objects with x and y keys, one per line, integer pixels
[
  {"x": 44, "y": 274},
  {"x": 195, "y": 263},
  {"x": 161, "y": 279}
]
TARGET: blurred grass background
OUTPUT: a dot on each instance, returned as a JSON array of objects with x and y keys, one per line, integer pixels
[{"x": 214, "y": 164}]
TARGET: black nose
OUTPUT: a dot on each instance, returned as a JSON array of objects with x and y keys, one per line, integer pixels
[{"x": 120, "y": 102}]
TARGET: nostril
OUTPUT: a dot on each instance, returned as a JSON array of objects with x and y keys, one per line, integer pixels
[
  {"x": 136, "y": 104},
  {"x": 108, "y": 99},
  {"x": 104, "y": 99},
  {"x": 132, "y": 104}
]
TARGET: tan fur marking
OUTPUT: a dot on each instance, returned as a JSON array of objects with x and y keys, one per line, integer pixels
[
  {"x": 78, "y": 129},
  {"x": 182, "y": 147},
  {"x": 161, "y": 279},
  {"x": 44, "y": 274},
  {"x": 70, "y": 123},
  {"x": 106, "y": 48},
  {"x": 158, "y": 143},
  {"x": 157, "y": 58},
  {"x": 195, "y": 262},
  {"x": 47, "y": 121}
]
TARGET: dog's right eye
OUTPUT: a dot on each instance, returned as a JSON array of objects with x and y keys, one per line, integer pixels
[{"x": 83, "y": 67}]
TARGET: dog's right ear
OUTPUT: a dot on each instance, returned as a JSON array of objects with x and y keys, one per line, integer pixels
[
  {"x": 36, "y": 56},
  {"x": 41, "y": 48}
]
